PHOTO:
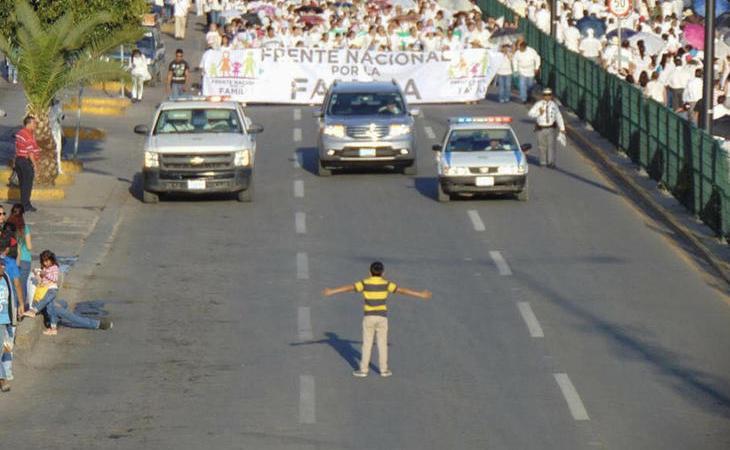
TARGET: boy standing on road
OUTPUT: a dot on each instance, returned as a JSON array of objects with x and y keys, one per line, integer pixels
[
  {"x": 375, "y": 290},
  {"x": 178, "y": 76}
]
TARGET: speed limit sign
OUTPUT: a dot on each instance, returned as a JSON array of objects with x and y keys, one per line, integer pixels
[{"x": 620, "y": 8}]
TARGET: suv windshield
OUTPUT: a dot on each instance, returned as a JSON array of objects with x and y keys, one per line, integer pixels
[
  {"x": 366, "y": 104},
  {"x": 198, "y": 121},
  {"x": 481, "y": 140}
]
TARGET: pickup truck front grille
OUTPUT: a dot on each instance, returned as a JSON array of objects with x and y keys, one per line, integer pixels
[{"x": 193, "y": 162}]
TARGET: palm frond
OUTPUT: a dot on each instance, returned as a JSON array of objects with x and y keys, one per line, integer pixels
[
  {"x": 28, "y": 18},
  {"x": 78, "y": 36},
  {"x": 113, "y": 41},
  {"x": 87, "y": 71}
]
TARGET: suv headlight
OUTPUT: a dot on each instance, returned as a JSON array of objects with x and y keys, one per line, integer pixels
[
  {"x": 399, "y": 130},
  {"x": 456, "y": 171},
  {"x": 151, "y": 160},
  {"x": 242, "y": 158},
  {"x": 334, "y": 130}
]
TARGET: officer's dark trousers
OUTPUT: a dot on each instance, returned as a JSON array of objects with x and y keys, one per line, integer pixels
[{"x": 26, "y": 173}]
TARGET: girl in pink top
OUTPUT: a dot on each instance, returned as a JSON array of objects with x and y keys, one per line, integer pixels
[{"x": 46, "y": 277}]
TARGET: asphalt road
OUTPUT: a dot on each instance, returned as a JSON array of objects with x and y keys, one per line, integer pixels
[{"x": 567, "y": 322}]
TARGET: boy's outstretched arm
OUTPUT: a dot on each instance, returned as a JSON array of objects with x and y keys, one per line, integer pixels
[
  {"x": 328, "y": 292},
  {"x": 425, "y": 295}
]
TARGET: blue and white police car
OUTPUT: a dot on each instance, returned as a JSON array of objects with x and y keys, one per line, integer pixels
[{"x": 481, "y": 155}]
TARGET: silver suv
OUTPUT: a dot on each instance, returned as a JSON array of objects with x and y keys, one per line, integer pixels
[{"x": 366, "y": 124}]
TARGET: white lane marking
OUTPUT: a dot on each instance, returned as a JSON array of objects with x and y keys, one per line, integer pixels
[
  {"x": 297, "y": 114},
  {"x": 575, "y": 404},
  {"x": 297, "y": 160},
  {"x": 476, "y": 220},
  {"x": 533, "y": 326},
  {"x": 501, "y": 263},
  {"x": 297, "y": 134},
  {"x": 304, "y": 323},
  {"x": 306, "y": 399},
  {"x": 300, "y": 222},
  {"x": 429, "y": 132},
  {"x": 302, "y": 266},
  {"x": 298, "y": 188}
]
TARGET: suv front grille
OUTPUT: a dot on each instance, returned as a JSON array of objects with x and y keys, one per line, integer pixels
[
  {"x": 213, "y": 161},
  {"x": 366, "y": 132}
]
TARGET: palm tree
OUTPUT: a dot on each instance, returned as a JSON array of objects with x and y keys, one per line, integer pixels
[{"x": 53, "y": 57}]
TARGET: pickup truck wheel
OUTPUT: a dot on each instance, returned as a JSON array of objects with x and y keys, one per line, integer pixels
[
  {"x": 524, "y": 194},
  {"x": 411, "y": 170},
  {"x": 150, "y": 197},
  {"x": 442, "y": 196},
  {"x": 323, "y": 172},
  {"x": 245, "y": 196}
]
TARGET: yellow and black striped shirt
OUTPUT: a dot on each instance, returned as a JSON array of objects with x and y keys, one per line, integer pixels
[{"x": 375, "y": 291}]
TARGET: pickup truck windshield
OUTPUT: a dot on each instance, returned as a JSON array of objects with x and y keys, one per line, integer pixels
[
  {"x": 481, "y": 140},
  {"x": 366, "y": 104},
  {"x": 189, "y": 121}
]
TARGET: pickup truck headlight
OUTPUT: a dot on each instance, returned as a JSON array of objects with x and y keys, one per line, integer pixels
[
  {"x": 456, "y": 171},
  {"x": 151, "y": 160},
  {"x": 242, "y": 158},
  {"x": 399, "y": 130},
  {"x": 335, "y": 130}
]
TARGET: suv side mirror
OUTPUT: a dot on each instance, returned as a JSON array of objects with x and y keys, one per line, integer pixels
[
  {"x": 255, "y": 128},
  {"x": 415, "y": 112},
  {"x": 141, "y": 129},
  {"x": 526, "y": 147},
  {"x": 317, "y": 113},
  {"x": 436, "y": 147}
]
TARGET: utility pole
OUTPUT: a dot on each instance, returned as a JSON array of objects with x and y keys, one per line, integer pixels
[
  {"x": 553, "y": 18},
  {"x": 709, "y": 75}
]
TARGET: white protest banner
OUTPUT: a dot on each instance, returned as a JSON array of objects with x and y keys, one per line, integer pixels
[{"x": 302, "y": 75}]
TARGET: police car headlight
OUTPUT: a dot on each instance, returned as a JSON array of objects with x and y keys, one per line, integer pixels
[
  {"x": 399, "y": 130},
  {"x": 151, "y": 160},
  {"x": 335, "y": 130},
  {"x": 456, "y": 171},
  {"x": 242, "y": 158}
]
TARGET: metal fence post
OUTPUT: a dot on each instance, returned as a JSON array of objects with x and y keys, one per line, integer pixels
[{"x": 78, "y": 122}]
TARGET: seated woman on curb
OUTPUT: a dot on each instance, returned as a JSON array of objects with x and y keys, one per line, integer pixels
[{"x": 57, "y": 310}]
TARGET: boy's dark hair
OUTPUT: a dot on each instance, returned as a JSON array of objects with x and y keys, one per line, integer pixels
[
  {"x": 179, "y": 51},
  {"x": 377, "y": 269}
]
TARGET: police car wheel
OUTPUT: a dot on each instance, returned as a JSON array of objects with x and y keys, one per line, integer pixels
[
  {"x": 411, "y": 170},
  {"x": 323, "y": 172},
  {"x": 524, "y": 194},
  {"x": 245, "y": 196},
  {"x": 150, "y": 197},
  {"x": 441, "y": 194}
]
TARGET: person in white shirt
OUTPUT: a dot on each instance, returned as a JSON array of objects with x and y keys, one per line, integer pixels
[
  {"x": 693, "y": 90},
  {"x": 720, "y": 110},
  {"x": 526, "y": 62},
  {"x": 676, "y": 82},
  {"x": 542, "y": 19},
  {"x": 213, "y": 37},
  {"x": 181, "y": 16},
  {"x": 578, "y": 10},
  {"x": 504, "y": 75},
  {"x": 590, "y": 47},
  {"x": 138, "y": 67},
  {"x": 549, "y": 127},
  {"x": 571, "y": 37},
  {"x": 655, "y": 90}
]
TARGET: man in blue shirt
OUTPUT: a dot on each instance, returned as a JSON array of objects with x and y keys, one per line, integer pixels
[{"x": 8, "y": 322}]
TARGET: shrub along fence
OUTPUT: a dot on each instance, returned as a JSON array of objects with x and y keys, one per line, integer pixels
[{"x": 690, "y": 163}]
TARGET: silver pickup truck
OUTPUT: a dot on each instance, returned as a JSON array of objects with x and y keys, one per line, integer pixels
[{"x": 199, "y": 146}]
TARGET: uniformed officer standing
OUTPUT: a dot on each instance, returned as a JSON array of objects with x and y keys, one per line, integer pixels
[
  {"x": 375, "y": 291},
  {"x": 549, "y": 127}
]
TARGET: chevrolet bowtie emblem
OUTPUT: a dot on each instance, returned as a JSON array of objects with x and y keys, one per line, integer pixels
[
  {"x": 197, "y": 161},
  {"x": 372, "y": 134}
]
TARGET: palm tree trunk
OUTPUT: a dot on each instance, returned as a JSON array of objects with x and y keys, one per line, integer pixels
[{"x": 47, "y": 167}]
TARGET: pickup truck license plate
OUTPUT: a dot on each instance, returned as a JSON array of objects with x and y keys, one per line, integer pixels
[
  {"x": 368, "y": 152},
  {"x": 195, "y": 185},
  {"x": 485, "y": 181}
]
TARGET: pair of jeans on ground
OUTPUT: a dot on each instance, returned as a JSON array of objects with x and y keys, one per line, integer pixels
[
  {"x": 26, "y": 174},
  {"x": 57, "y": 312}
]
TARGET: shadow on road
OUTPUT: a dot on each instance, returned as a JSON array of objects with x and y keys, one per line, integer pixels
[{"x": 343, "y": 347}]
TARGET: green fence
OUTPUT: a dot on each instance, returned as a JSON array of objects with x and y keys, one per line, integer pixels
[{"x": 688, "y": 161}]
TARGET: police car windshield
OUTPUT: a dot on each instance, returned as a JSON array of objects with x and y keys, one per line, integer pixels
[
  {"x": 188, "y": 121},
  {"x": 481, "y": 140},
  {"x": 366, "y": 104}
]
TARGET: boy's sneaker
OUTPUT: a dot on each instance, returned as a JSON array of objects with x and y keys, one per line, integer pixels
[
  {"x": 359, "y": 374},
  {"x": 105, "y": 324},
  {"x": 386, "y": 373}
]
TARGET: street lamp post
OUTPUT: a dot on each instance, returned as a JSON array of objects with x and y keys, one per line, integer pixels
[{"x": 709, "y": 75}]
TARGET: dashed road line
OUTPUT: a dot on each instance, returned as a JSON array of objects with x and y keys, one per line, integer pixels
[
  {"x": 297, "y": 134},
  {"x": 298, "y": 188},
  {"x": 575, "y": 404},
  {"x": 429, "y": 132},
  {"x": 476, "y": 221},
  {"x": 501, "y": 263},
  {"x": 304, "y": 323},
  {"x": 307, "y": 412},
  {"x": 300, "y": 222},
  {"x": 297, "y": 113},
  {"x": 533, "y": 326},
  {"x": 302, "y": 266}
]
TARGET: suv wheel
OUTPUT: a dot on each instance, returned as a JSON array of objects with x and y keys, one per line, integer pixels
[
  {"x": 322, "y": 171},
  {"x": 150, "y": 197},
  {"x": 411, "y": 170},
  {"x": 442, "y": 195}
]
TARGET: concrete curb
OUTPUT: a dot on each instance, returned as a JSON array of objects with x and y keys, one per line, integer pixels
[
  {"x": 39, "y": 194},
  {"x": 108, "y": 111},
  {"x": 63, "y": 179},
  {"x": 85, "y": 133},
  {"x": 596, "y": 154},
  {"x": 71, "y": 166}
]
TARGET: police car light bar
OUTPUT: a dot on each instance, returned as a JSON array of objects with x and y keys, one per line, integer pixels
[
  {"x": 486, "y": 119},
  {"x": 200, "y": 98}
]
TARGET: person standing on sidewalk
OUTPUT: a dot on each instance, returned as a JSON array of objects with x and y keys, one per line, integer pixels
[
  {"x": 8, "y": 323},
  {"x": 138, "y": 67},
  {"x": 178, "y": 75},
  {"x": 504, "y": 75},
  {"x": 375, "y": 291},
  {"x": 181, "y": 18},
  {"x": 526, "y": 62},
  {"x": 549, "y": 127},
  {"x": 27, "y": 153}
]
